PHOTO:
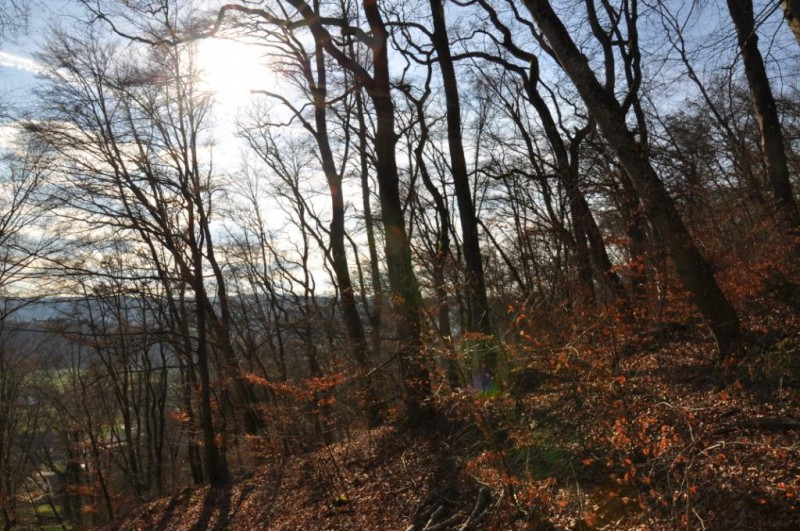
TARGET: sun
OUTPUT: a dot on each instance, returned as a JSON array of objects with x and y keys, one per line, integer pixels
[{"x": 231, "y": 70}]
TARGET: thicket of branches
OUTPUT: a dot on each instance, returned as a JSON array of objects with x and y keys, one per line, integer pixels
[{"x": 462, "y": 188}]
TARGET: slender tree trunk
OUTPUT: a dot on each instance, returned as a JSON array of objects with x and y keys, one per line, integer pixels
[
  {"x": 478, "y": 317},
  {"x": 216, "y": 469},
  {"x": 376, "y": 315},
  {"x": 769, "y": 124},
  {"x": 402, "y": 280},
  {"x": 341, "y": 268},
  {"x": 443, "y": 252},
  {"x": 693, "y": 269}
]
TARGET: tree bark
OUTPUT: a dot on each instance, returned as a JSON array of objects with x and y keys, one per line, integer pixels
[
  {"x": 478, "y": 315},
  {"x": 791, "y": 12},
  {"x": 693, "y": 269},
  {"x": 402, "y": 280},
  {"x": 769, "y": 124},
  {"x": 339, "y": 263}
]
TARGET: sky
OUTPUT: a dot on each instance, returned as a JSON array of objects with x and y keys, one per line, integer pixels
[
  {"x": 233, "y": 66},
  {"x": 230, "y": 62},
  {"x": 17, "y": 78},
  {"x": 232, "y": 71},
  {"x": 17, "y": 67}
]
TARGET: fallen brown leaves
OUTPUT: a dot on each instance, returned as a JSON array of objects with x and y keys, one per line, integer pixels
[
  {"x": 655, "y": 436},
  {"x": 382, "y": 479},
  {"x": 667, "y": 440}
]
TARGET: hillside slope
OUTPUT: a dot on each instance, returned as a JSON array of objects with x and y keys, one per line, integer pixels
[
  {"x": 382, "y": 479},
  {"x": 669, "y": 440}
]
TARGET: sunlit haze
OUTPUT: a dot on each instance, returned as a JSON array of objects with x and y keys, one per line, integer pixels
[{"x": 231, "y": 70}]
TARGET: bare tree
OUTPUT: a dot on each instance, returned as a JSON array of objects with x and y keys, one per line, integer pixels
[
  {"x": 772, "y": 142},
  {"x": 406, "y": 296},
  {"x": 478, "y": 313},
  {"x": 129, "y": 158},
  {"x": 13, "y": 17},
  {"x": 310, "y": 71},
  {"x": 694, "y": 270}
]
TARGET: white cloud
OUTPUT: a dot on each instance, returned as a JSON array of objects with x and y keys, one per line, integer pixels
[{"x": 19, "y": 62}]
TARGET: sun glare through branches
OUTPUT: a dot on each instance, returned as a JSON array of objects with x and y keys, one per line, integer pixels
[{"x": 231, "y": 70}]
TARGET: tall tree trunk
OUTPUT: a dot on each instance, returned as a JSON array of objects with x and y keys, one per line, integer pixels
[
  {"x": 769, "y": 124},
  {"x": 402, "y": 280},
  {"x": 376, "y": 315},
  {"x": 341, "y": 268},
  {"x": 791, "y": 12},
  {"x": 443, "y": 251},
  {"x": 693, "y": 269},
  {"x": 216, "y": 469},
  {"x": 478, "y": 316}
]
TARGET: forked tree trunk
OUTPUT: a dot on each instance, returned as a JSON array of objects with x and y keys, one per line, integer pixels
[
  {"x": 584, "y": 226},
  {"x": 693, "y": 269}
]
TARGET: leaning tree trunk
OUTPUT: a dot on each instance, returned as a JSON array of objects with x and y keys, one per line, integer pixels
[
  {"x": 693, "y": 269},
  {"x": 769, "y": 124},
  {"x": 584, "y": 225}
]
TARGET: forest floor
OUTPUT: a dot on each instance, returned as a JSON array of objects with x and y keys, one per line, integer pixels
[{"x": 666, "y": 440}]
